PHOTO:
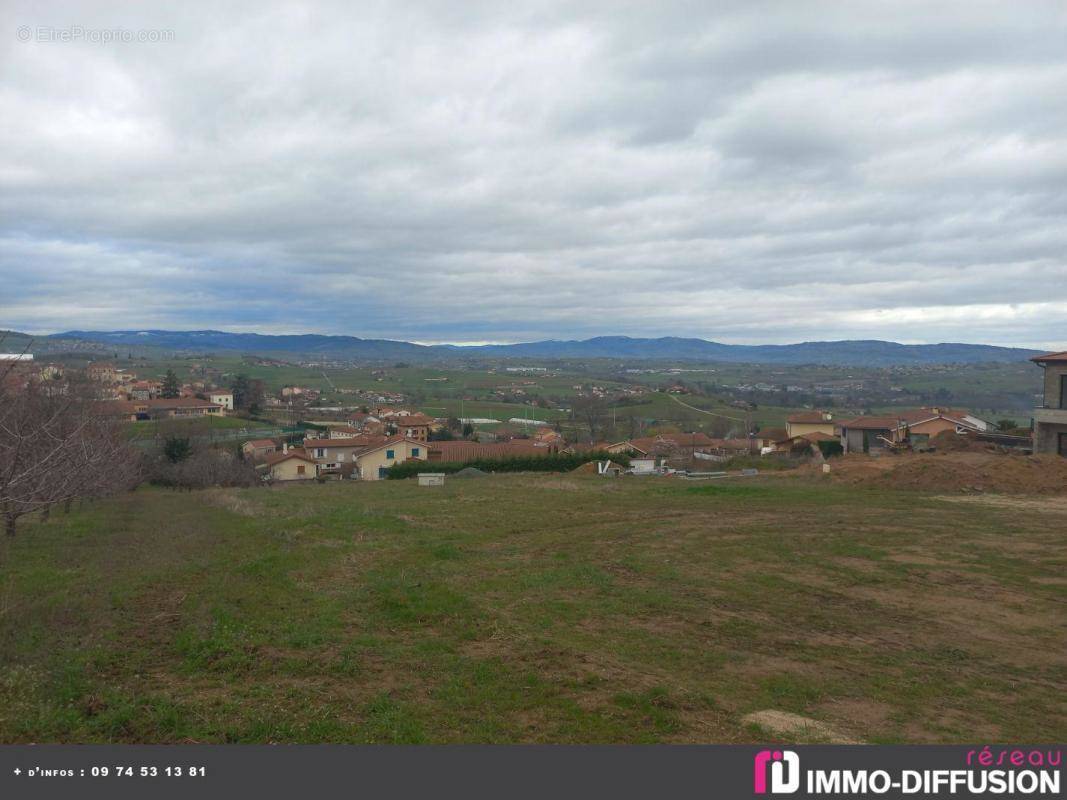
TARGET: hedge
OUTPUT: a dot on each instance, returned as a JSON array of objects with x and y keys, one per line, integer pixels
[{"x": 557, "y": 462}]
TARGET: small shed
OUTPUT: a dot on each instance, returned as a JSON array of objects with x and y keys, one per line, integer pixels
[
  {"x": 431, "y": 479},
  {"x": 643, "y": 466}
]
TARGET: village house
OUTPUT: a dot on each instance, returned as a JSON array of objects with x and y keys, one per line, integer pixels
[
  {"x": 258, "y": 449},
  {"x": 623, "y": 447},
  {"x": 368, "y": 423},
  {"x": 372, "y": 464},
  {"x": 144, "y": 390},
  {"x": 767, "y": 438},
  {"x": 338, "y": 456},
  {"x": 1050, "y": 420},
  {"x": 868, "y": 434},
  {"x": 182, "y": 407},
  {"x": 548, "y": 437},
  {"x": 102, "y": 371},
  {"x": 130, "y": 410},
  {"x": 293, "y": 465},
  {"x": 224, "y": 399},
  {"x": 809, "y": 422},
  {"x": 925, "y": 423},
  {"x": 912, "y": 427},
  {"x": 412, "y": 426},
  {"x": 135, "y": 410}
]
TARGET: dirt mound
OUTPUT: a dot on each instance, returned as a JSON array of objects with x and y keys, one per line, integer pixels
[
  {"x": 470, "y": 472},
  {"x": 956, "y": 472},
  {"x": 952, "y": 442}
]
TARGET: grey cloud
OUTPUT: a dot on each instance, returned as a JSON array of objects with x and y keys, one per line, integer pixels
[{"x": 757, "y": 172}]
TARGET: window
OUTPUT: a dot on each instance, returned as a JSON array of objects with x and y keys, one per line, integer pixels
[
  {"x": 390, "y": 454},
  {"x": 300, "y": 469},
  {"x": 414, "y": 452},
  {"x": 320, "y": 452}
]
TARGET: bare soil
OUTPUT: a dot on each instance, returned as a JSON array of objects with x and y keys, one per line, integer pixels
[{"x": 964, "y": 472}]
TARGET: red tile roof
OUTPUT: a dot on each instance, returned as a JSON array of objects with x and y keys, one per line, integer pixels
[
  {"x": 1061, "y": 356},
  {"x": 410, "y": 421},
  {"x": 909, "y": 416},
  {"x": 683, "y": 440},
  {"x": 467, "y": 451},
  {"x": 366, "y": 440},
  {"x": 774, "y": 434},
  {"x": 277, "y": 458}
]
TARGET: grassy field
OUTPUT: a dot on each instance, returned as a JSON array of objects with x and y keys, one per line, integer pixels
[
  {"x": 485, "y": 391},
  {"x": 148, "y": 428},
  {"x": 547, "y": 608}
]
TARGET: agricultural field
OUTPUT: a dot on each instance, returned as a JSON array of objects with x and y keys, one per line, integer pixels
[
  {"x": 542, "y": 608},
  {"x": 715, "y": 402}
]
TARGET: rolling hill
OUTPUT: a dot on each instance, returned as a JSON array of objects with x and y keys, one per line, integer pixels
[{"x": 844, "y": 353}]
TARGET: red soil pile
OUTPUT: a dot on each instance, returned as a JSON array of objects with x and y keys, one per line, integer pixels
[{"x": 966, "y": 471}]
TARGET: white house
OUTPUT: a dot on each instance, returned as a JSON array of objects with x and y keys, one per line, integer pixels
[{"x": 224, "y": 399}]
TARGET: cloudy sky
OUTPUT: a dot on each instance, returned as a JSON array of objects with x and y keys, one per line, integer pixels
[{"x": 462, "y": 171}]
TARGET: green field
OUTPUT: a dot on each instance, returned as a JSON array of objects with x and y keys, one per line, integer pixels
[
  {"x": 488, "y": 390},
  {"x": 546, "y": 608},
  {"x": 149, "y": 428}
]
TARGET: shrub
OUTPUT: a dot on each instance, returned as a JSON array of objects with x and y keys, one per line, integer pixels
[
  {"x": 204, "y": 469},
  {"x": 556, "y": 462}
]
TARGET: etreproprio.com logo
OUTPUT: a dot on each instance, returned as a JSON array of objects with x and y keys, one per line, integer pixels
[{"x": 779, "y": 772}]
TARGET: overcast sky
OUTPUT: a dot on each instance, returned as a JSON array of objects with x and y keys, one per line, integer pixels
[{"x": 463, "y": 171}]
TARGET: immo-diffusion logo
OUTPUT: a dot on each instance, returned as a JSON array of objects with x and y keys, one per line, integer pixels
[
  {"x": 1013, "y": 771},
  {"x": 784, "y": 770}
]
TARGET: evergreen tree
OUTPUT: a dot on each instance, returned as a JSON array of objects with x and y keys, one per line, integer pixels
[
  {"x": 171, "y": 387},
  {"x": 177, "y": 448}
]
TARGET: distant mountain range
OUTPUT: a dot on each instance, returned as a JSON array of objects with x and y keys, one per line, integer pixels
[{"x": 843, "y": 353}]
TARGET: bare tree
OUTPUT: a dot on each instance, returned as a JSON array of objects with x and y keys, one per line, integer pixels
[
  {"x": 57, "y": 445},
  {"x": 203, "y": 467},
  {"x": 592, "y": 411},
  {"x": 636, "y": 427}
]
